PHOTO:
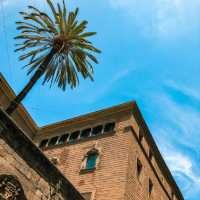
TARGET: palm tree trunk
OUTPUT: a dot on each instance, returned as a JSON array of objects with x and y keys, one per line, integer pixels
[{"x": 38, "y": 73}]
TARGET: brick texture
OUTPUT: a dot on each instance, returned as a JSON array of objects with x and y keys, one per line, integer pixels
[{"x": 115, "y": 176}]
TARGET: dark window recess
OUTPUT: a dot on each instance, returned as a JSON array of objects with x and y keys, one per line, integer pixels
[
  {"x": 63, "y": 139},
  {"x": 85, "y": 133},
  {"x": 91, "y": 160},
  {"x": 87, "y": 195},
  {"x": 74, "y": 136},
  {"x": 97, "y": 130},
  {"x": 53, "y": 141},
  {"x": 109, "y": 127},
  {"x": 150, "y": 187},
  {"x": 139, "y": 168},
  {"x": 141, "y": 135},
  {"x": 43, "y": 143}
]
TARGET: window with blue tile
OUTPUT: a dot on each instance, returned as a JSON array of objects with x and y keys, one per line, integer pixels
[{"x": 91, "y": 160}]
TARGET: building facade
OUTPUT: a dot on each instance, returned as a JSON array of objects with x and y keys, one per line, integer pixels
[
  {"x": 108, "y": 154},
  {"x": 25, "y": 172}
]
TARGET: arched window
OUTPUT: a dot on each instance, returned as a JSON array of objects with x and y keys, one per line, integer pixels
[
  {"x": 91, "y": 160},
  {"x": 10, "y": 188}
]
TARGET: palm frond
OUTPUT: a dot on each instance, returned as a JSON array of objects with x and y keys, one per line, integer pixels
[{"x": 40, "y": 33}]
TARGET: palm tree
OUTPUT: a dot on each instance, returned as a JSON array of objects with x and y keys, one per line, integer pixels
[{"x": 57, "y": 47}]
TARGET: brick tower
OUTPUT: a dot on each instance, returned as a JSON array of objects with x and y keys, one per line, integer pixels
[{"x": 109, "y": 154}]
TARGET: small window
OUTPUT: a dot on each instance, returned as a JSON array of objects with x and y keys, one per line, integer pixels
[
  {"x": 141, "y": 135},
  {"x": 74, "y": 136},
  {"x": 43, "y": 143},
  {"x": 85, "y": 133},
  {"x": 139, "y": 168},
  {"x": 150, "y": 187},
  {"x": 63, "y": 139},
  {"x": 109, "y": 127},
  {"x": 91, "y": 160},
  {"x": 87, "y": 195},
  {"x": 97, "y": 130},
  {"x": 53, "y": 141}
]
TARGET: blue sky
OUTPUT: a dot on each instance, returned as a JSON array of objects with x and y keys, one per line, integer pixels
[{"x": 150, "y": 53}]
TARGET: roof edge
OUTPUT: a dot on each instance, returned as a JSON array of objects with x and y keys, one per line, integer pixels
[
  {"x": 9, "y": 92},
  {"x": 89, "y": 116},
  {"x": 140, "y": 120}
]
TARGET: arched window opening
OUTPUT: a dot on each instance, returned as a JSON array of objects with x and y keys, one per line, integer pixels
[
  {"x": 139, "y": 168},
  {"x": 97, "y": 130},
  {"x": 91, "y": 160},
  {"x": 63, "y": 139},
  {"x": 53, "y": 141},
  {"x": 85, "y": 133},
  {"x": 109, "y": 127},
  {"x": 43, "y": 143},
  {"x": 10, "y": 188},
  {"x": 74, "y": 136},
  {"x": 150, "y": 187},
  {"x": 141, "y": 135}
]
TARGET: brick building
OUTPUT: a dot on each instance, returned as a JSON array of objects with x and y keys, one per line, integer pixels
[
  {"x": 108, "y": 154},
  {"x": 25, "y": 172}
]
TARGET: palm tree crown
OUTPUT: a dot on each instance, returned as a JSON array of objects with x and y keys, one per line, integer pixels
[
  {"x": 64, "y": 36},
  {"x": 56, "y": 46}
]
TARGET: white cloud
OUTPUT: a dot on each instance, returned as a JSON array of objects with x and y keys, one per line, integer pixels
[
  {"x": 182, "y": 166},
  {"x": 178, "y": 132},
  {"x": 107, "y": 86},
  {"x": 188, "y": 91},
  {"x": 184, "y": 118},
  {"x": 162, "y": 19},
  {"x": 180, "y": 163}
]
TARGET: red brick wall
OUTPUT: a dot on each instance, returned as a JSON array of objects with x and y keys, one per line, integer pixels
[
  {"x": 115, "y": 177},
  {"x": 108, "y": 181},
  {"x": 137, "y": 187}
]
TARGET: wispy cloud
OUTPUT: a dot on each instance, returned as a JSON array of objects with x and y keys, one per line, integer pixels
[
  {"x": 180, "y": 163},
  {"x": 162, "y": 19},
  {"x": 108, "y": 85},
  {"x": 182, "y": 167},
  {"x": 186, "y": 90},
  {"x": 184, "y": 118},
  {"x": 178, "y": 136}
]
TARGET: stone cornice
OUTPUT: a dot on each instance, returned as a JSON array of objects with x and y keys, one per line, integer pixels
[{"x": 126, "y": 107}]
